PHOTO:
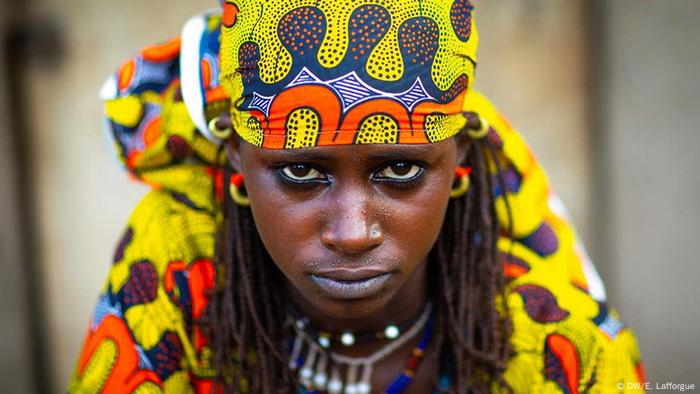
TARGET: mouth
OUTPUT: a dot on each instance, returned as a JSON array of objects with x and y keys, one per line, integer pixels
[{"x": 347, "y": 284}]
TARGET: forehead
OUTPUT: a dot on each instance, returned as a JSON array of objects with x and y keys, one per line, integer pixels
[{"x": 356, "y": 152}]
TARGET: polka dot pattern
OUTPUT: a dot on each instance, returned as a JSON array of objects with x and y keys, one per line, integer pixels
[
  {"x": 250, "y": 56},
  {"x": 461, "y": 18},
  {"x": 540, "y": 304},
  {"x": 256, "y": 132},
  {"x": 301, "y": 30},
  {"x": 367, "y": 26},
  {"x": 434, "y": 126},
  {"x": 457, "y": 87},
  {"x": 302, "y": 128},
  {"x": 418, "y": 38},
  {"x": 378, "y": 129},
  {"x": 142, "y": 285},
  {"x": 166, "y": 356}
]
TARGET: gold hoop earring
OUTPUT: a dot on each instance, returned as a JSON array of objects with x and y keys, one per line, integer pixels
[
  {"x": 481, "y": 130},
  {"x": 234, "y": 188},
  {"x": 222, "y": 134},
  {"x": 462, "y": 175}
]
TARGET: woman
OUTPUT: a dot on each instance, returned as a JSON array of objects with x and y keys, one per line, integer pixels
[{"x": 344, "y": 213}]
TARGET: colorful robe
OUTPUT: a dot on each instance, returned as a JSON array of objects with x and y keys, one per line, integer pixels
[{"x": 143, "y": 336}]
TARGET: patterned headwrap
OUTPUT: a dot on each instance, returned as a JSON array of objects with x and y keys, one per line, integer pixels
[
  {"x": 301, "y": 74},
  {"x": 308, "y": 73}
]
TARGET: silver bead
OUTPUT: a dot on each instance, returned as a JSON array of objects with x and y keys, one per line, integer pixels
[
  {"x": 320, "y": 377},
  {"x": 391, "y": 332},
  {"x": 320, "y": 381},
  {"x": 335, "y": 386},
  {"x": 324, "y": 341},
  {"x": 347, "y": 338},
  {"x": 363, "y": 388},
  {"x": 305, "y": 377},
  {"x": 351, "y": 389},
  {"x": 306, "y": 373}
]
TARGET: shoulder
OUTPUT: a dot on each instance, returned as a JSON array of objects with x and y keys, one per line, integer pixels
[
  {"x": 167, "y": 226},
  {"x": 144, "y": 330},
  {"x": 564, "y": 339}
]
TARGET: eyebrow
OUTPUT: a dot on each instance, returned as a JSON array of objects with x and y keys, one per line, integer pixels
[{"x": 292, "y": 155}]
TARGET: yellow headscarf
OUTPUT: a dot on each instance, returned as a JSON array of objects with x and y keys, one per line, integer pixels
[{"x": 310, "y": 73}]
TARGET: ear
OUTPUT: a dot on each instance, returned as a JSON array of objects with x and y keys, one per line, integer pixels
[{"x": 232, "y": 144}]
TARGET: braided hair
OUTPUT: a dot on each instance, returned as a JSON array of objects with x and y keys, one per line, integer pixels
[{"x": 465, "y": 276}]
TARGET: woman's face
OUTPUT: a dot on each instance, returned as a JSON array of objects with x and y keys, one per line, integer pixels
[{"x": 350, "y": 227}]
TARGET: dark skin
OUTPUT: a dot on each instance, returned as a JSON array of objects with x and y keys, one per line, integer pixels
[{"x": 357, "y": 210}]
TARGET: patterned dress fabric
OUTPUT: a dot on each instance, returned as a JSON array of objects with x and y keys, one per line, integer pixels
[{"x": 144, "y": 335}]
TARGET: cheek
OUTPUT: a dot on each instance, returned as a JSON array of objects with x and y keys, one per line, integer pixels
[
  {"x": 414, "y": 224},
  {"x": 284, "y": 228}
]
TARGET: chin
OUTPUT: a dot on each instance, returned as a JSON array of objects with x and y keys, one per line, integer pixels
[
  {"x": 348, "y": 307},
  {"x": 354, "y": 309}
]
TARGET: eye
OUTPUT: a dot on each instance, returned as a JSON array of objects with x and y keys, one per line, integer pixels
[
  {"x": 400, "y": 171},
  {"x": 302, "y": 173}
]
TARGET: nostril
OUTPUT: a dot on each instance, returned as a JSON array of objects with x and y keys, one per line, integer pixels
[{"x": 352, "y": 241}]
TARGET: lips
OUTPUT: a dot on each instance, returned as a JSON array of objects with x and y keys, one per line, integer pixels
[
  {"x": 348, "y": 284},
  {"x": 350, "y": 274}
]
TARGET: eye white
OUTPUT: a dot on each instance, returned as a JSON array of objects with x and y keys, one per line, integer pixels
[
  {"x": 389, "y": 172},
  {"x": 311, "y": 173}
]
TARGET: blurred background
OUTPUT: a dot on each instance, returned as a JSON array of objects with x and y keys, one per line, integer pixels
[{"x": 606, "y": 92}]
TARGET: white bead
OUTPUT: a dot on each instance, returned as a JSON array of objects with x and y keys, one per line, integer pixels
[
  {"x": 347, "y": 339},
  {"x": 306, "y": 373},
  {"x": 324, "y": 342},
  {"x": 391, "y": 332},
  {"x": 300, "y": 324},
  {"x": 351, "y": 389},
  {"x": 363, "y": 388},
  {"x": 334, "y": 386},
  {"x": 320, "y": 381}
]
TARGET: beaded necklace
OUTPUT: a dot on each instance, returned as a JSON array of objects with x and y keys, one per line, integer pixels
[{"x": 315, "y": 363}]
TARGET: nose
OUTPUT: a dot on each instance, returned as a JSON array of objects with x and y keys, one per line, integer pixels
[{"x": 351, "y": 226}]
